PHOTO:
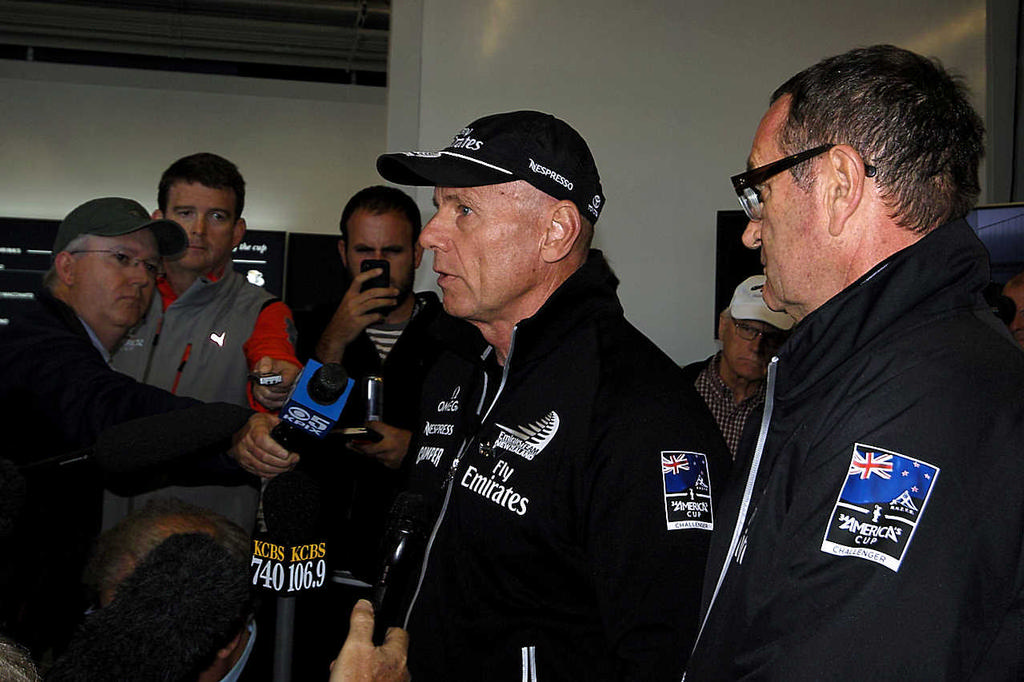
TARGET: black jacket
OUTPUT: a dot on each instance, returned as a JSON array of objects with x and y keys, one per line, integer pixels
[
  {"x": 55, "y": 385},
  {"x": 553, "y": 557},
  {"x": 57, "y": 393},
  {"x": 883, "y": 539},
  {"x": 362, "y": 489}
]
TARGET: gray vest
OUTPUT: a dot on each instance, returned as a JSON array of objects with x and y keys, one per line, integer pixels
[
  {"x": 216, "y": 318},
  {"x": 201, "y": 336}
]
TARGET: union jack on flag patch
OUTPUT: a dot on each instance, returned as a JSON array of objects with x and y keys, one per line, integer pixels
[
  {"x": 687, "y": 490},
  {"x": 868, "y": 463},
  {"x": 879, "y": 506},
  {"x": 673, "y": 464}
]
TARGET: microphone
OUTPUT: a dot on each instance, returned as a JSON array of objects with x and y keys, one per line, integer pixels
[
  {"x": 185, "y": 600},
  {"x": 403, "y": 546},
  {"x": 288, "y": 558},
  {"x": 135, "y": 445},
  {"x": 314, "y": 405}
]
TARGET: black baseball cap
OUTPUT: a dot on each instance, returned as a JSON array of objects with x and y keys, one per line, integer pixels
[
  {"x": 113, "y": 217},
  {"x": 519, "y": 145}
]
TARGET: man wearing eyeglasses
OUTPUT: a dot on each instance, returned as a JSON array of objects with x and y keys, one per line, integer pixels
[
  {"x": 58, "y": 393},
  {"x": 731, "y": 382},
  {"x": 876, "y": 532}
]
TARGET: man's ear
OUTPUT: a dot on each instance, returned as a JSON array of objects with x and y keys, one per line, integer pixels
[
  {"x": 225, "y": 651},
  {"x": 341, "y": 252},
  {"x": 721, "y": 326},
  {"x": 417, "y": 253},
  {"x": 158, "y": 214},
  {"x": 561, "y": 232},
  {"x": 239, "y": 232},
  {"x": 845, "y": 178},
  {"x": 64, "y": 265}
]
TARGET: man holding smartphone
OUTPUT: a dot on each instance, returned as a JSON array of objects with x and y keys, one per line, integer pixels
[{"x": 379, "y": 328}]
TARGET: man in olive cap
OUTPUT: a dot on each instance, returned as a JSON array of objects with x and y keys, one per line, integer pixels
[{"x": 58, "y": 390}]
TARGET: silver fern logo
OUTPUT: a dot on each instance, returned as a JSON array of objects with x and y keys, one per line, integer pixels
[{"x": 528, "y": 441}]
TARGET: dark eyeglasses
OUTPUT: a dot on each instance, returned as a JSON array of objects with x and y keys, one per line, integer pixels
[
  {"x": 749, "y": 332},
  {"x": 746, "y": 184},
  {"x": 152, "y": 268}
]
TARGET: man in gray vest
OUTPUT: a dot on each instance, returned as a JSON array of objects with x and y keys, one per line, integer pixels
[{"x": 208, "y": 329}]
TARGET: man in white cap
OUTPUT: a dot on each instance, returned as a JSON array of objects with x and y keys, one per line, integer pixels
[{"x": 732, "y": 381}]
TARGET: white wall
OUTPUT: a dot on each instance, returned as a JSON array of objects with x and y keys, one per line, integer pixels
[
  {"x": 668, "y": 93},
  {"x": 72, "y": 133}
]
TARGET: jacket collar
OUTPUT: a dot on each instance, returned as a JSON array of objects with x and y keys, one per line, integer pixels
[
  {"x": 587, "y": 292},
  {"x": 945, "y": 270}
]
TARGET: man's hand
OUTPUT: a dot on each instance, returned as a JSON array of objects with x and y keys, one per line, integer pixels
[
  {"x": 272, "y": 397},
  {"x": 258, "y": 453},
  {"x": 390, "y": 450},
  {"x": 360, "y": 661},
  {"x": 356, "y": 312}
]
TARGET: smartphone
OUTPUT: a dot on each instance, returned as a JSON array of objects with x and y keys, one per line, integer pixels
[
  {"x": 381, "y": 281},
  {"x": 361, "y": 434}
]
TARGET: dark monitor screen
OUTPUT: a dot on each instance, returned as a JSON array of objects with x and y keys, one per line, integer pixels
[
  {"x": 1001, "y": 229},
  {"x": 316, "y": 275},
  {"x": 260, "y": 258},
  {"x": 25, "y": 256},
  {"x": 25, "y": 245},
  {"x": 733, "y": 261}
]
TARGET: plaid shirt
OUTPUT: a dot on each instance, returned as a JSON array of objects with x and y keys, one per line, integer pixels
[{"x": 729, "y": 415}]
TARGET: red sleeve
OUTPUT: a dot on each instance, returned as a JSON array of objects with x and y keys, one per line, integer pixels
[{"x": 273, "y": 335}]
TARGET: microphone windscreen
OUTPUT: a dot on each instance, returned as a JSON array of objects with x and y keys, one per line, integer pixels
[
  {"x": 138, "y": 444},
  {"x": 328, "y": 383},
  {"x": 409, "y": 514},
  {"x": 291, "y": 507},
  {"x": 185, "y": 600}
]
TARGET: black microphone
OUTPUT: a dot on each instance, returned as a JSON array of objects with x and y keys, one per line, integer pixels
[
  {"x": 185, "y": 600},
  {"x": 314, "y": 405},
  {"x": 139, "y": 444},
  {"x": 290, "y": 557},
  {"x": 403, "y": 546}
]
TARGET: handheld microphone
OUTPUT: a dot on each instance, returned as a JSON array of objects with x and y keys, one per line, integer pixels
[
  {"x": 139, "y": 444},
  {"x": 185, "y": 600},
  {"x": 403, "y": 547},
  {"x": 288, "y": 558},
  {"x": 314, "y": 405}
]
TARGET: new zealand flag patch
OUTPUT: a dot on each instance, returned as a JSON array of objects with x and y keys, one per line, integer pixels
[
  {"x": 879, "y": 507},
  {"x": 687, "y": 490}
]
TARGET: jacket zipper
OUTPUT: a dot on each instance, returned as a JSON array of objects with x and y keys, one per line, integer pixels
[
  {"x": 738, "y": 544},
  {"x": 450, "y": 476}
]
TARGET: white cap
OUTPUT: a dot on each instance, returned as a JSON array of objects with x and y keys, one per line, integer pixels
[{"x": 747, "y": 304}]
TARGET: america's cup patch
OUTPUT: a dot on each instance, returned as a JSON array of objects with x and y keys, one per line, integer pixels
[
  {"x": 880, "y": 505},
  {"x": 687, "y": 490}
]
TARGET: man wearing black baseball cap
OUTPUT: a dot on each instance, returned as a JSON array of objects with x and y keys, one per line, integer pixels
[
  {"x": 568, "y": 462},
  {"x": 58, "y": 391}
]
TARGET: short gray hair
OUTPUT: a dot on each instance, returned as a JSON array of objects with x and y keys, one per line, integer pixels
[{"x": 79, "y": 243}]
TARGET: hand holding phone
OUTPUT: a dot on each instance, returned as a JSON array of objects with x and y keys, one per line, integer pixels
[{"x": 381, "y": 281}]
